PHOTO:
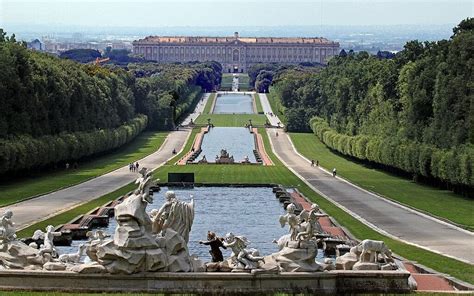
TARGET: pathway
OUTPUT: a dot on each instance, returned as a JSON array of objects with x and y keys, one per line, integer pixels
[
  {"x": 385, "y": 216},
  {"x": 37, "y": 209},
  {"x": 268, "y": 109}
]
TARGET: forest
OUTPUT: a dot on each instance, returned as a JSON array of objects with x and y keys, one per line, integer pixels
[
  {"x": 413, "y": 112},
  {"x": 56, "y": 110}
]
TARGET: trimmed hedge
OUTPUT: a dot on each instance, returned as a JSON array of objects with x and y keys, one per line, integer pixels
[
  {"x": 25, "y": 152},
  {"x": 455, "y": 166}
]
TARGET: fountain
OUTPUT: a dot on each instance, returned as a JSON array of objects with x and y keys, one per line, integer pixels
[{"x": 152, "y": 249}]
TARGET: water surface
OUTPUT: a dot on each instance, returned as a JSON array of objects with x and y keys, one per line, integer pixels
[
  {"x": 238, "y": 142},
  {"x": 233, "y": 103}
]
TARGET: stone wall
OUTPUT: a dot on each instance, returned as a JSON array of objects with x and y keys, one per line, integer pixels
[{"x": 334, "y": 282}]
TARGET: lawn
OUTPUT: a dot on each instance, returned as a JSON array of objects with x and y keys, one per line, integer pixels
[
  {"x": 252, "y": 174},
  {"x": 258, "y": 104},
  {"x": 232, "y": 119},
  {"x": 23, "y": 188},
  {"x": 210, "y": 101},
  {"x": 441, "y": 203}
]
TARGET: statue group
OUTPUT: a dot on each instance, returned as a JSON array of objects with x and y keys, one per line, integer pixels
[
  {"x": 157, "y": 241},
  {"x": 142, "y": 242}
]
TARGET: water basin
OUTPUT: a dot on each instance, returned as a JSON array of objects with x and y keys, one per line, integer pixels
[
  {"x": 249, "y": 211},
  {"x": 238, "y": 142},
  {"x": 233, "y": 103}
]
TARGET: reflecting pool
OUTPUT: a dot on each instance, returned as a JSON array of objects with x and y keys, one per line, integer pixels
[
  {"x": 230, "y": 103},
  {"x": 238, "y": 142}
]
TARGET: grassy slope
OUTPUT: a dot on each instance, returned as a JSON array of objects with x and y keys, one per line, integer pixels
[
  {"x": 441, "y": 203},
  {"x": 258, "y": 104},
  {"x": 210, "y": 100},
  {"x": 20, "y": 189},
  {"x": 232, "y": 119}
]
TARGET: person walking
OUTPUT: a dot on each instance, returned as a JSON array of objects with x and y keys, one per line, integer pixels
[
  {"x": 312, "y": 162},
  {"x": 334, "y": 172},
  {"x": 136, "y": 166},
  {"x": 317, "y": 162}
]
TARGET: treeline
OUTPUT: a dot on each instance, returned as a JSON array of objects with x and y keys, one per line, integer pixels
[
  {"x": 413, "y": 112},
  {"x": 25, "y": 152},
  {"x": 48, "y": 99},
  {"x": 261, "y": 75},
  {"x": 455, "y": 166},
  {"x": 166, "y": 92}
]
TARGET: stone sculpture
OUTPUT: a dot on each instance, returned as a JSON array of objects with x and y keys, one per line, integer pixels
[
  {"x": 216, "y": 243},
  {"x": 73, "y": 257},
  {"x": 7, "y": 227},
  {"x": 15, "y": 254},
  {"x": 174, "y": 214},
  {"x": 365, "y": 256},
  {"x": 298, "y": 249},
  {"x": 292, "y": 220},
  {"x": 138, "y": 245},
  {"x": 241, "y": 257},
  {"x": 224, "y": 157},
  {"x": 48, "y": 237}
]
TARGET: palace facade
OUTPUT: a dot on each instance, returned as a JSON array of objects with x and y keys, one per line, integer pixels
[{"x": 236, "y": 53}]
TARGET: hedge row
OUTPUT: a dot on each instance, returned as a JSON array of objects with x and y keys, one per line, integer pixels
[
  {"x": 455, "y": 166},
  {"x": 24, "y": 152}
]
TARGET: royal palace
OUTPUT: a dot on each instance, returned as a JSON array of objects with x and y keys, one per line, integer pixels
[{"x": 236, "y": 53}]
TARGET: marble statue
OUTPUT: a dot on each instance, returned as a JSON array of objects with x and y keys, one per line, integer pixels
[
  {"x": 215, "y": 243},
  {"x": 95, "y": 240},
  {"x": 73, "y": 257},
  {"x": 144, "y": 242},
  {"x": 365, "y": 256},
  {"x": 292, "y": 220},
  {"x": 174, "y": 214},
  {"x": 48, "y": 237},
  {"x": 7, "y": 227},
  {"x": 242, "y": 258},
  {"x": 370, "y": 249}
]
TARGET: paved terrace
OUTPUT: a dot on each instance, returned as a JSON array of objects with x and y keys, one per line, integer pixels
[
  {"x": 387, "y": 217},
  {"x": 31, "y": 211}
]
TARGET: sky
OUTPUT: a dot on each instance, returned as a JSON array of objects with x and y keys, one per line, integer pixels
[{"x": 159, "y": 13}]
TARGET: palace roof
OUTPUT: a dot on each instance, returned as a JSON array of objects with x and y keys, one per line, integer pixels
[{"x": 248, "y": 40}]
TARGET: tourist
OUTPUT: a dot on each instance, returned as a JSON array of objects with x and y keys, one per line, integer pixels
[
  {"x": 317, "y": 162},
  {"x": 136, "y": 166},
  {"x": 174, "y": 151},
  {"x": 67, "y": 165},
  {"x": 334, "y": 172},
  {"x": 312, "y": 162}
]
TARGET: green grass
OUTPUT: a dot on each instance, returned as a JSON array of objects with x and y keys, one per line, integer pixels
[
  {"x": 258, "y": 103},
  {"x": 210, "y": 100},
  {"x": 232, "y": 119},
  {"x": 277, "y": 108},
  {"x": 21, "y": 189},
  {"x": 441, "y": 203},
  {"x": 252, "y": 174}
]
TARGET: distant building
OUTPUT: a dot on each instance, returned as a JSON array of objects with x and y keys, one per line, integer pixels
[
  {"x": 35, "y": 45},
  {"x": 236, "y": 53}
]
